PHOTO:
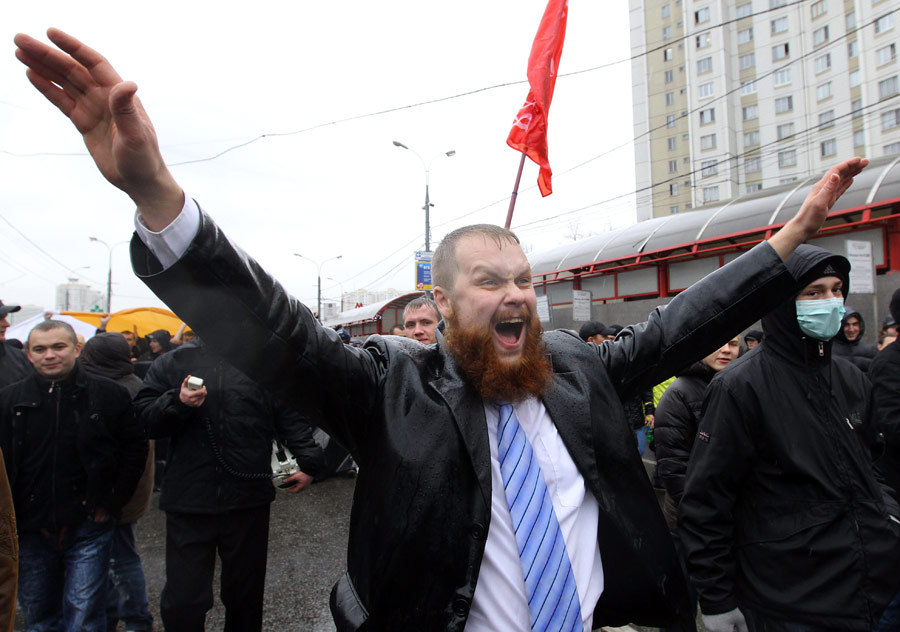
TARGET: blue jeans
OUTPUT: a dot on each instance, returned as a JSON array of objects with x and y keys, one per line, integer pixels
[
  {"x": 62, "y": 579},
  {"x": 641, "y": 436},
  {"x": 127, "y": 596},
  {"x": 890, "y": 620}
]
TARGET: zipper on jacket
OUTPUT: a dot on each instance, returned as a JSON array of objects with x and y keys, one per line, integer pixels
[
  {"x": 55, "y": 455},
  {"x": 821, "y": 349}
]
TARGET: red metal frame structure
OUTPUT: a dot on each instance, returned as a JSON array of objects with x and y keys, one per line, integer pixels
[{"x": 883, "y": 214}]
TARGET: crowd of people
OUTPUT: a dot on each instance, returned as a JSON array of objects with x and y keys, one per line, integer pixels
[{"x": 499, "y": 483}]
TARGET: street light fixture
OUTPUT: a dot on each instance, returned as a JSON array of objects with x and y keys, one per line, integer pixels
[
  {"x": 319, "y": 277},
  {"x": 108, "y": 270},
  {"x": 428, "y": 203}
]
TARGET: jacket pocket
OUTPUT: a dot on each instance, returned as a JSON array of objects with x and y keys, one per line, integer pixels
[{"x": 346, "y": 607}]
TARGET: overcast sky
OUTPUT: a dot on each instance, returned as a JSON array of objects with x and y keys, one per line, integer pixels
[{"x": 214, "y": 75}]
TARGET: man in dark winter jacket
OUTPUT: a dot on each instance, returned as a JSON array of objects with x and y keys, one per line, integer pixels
[
  {"x": 848, "y": 341},
  {"x": 885, "y": 378},
  {"x": 218, "y": 484},
  {"x": 783, "y": 517},
  {"x": 74, "y": 454},
  {"x": 13, "y": 363}
]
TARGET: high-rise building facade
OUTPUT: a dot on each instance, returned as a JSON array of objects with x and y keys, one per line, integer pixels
[
  {"x": 79, "y": 297},
  {"x": 732, "y": 97}
]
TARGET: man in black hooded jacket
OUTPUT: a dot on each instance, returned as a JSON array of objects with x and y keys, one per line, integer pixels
[
  {"x": 848, "y": 341},
  {"x": 783, "y": 517}
]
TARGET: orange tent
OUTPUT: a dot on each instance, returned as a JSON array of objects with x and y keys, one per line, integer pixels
[{"x": 140, "y": 319}]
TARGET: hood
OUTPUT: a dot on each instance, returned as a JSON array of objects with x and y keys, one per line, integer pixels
[
  {"x": 782, "y": 332},
  {"x": 107, "y": 354},
  {"x": 862, "y": 326}
]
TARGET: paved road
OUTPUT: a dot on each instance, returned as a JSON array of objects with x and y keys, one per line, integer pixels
[{"x": 307, "y": 554}]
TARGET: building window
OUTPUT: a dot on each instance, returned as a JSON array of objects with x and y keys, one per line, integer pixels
[
  {"x": 884, "y": 23},
  {"x": 671, "y": 143},
  {"x": 856, "y": 107},
  {"x": 753, "y": 165},
  {"x": 888, "y": 87},
  {"x": 785, "y": 130},
  {"x": 890, "y": 120},
  {"x": 753, "y": 188},
  {"x": 673, "y": 166},
  {"x": 704, "y": 65},
  {"x": 826, "y": 119},
  {"x": 745, "y": 36},
  {"x": 780, "y": 52},
  {"x": 774, "y": 4},
  {"x": 701, "y": 15},
  {"x": 667, "y": 32},
  {"x": 744, "y": 10},
  {"x": 788, "y": 180},
  {"x": 855, "y": 78},
  {"x": 748, "y": 87},
  {"x": 852, "y": 49},
  {"x": 859, "y": 138},
  {"x": 670, "y": 98},
  {"x": 750, "y": 112},
  {"x": 709, "y": 168},
  {"x": 673, "y": 188},
  {"x": 747, "y": 61},
  {"x": 784, "y": 104},
  {"x": 886, "y": 54},
  {"x": 670, "y": 76},
  {"x": 828, "y": 147},
  {"x": 850, "y": 21},
  {"x": 670, "y": 120},
  {"x": 666, "y": 11},
  {"x": 704, "y": 40},
  {"x": 705, "y": 90},
  {"x": 707, "y": 116},
  {"x": 710, "y": 194},
  {"x": 673, "y": 209},
  {"x": 823, "y": 63},
  {"x": 820, "y": 36},
  {"x": 787, "y": 158},
  {"x": 751, "y": 138},
  {"x": 708, "y": 142},
  {"x": 817, "y": 8},
  {"x": 783, "y": 77},
  {"x": 779, "y": 25},
  {"x": 667, "y": 54},
  {"x": 893, "y": 148},
  {"x": 824, "y": 91}
]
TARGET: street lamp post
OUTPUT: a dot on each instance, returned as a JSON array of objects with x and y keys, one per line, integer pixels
[
  {"x": 428, "y": 203},
  {"x": 341, "y": 285},
  {"x": 319, "y": 277},
  {"x": 108, "y": 271}
]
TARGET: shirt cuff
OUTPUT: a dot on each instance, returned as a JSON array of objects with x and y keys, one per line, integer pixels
[{"x": 169, "y": 244}]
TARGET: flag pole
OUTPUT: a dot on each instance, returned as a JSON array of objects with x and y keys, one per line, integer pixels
[{"x": 515, "y": 193}]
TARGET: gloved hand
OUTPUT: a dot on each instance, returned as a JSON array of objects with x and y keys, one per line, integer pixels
[{"x": 725, "y": 622}]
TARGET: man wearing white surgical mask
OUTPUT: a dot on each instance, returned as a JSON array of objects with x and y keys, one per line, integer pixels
[{"x": 785, "y": 524}]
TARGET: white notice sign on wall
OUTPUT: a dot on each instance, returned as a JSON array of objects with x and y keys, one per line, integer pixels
[
  {"x": 862, "y": 270},
  {"x": 581, "y": 305}
]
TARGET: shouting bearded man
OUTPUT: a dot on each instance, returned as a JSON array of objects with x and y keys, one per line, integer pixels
[{"x": 499, "y": 487}]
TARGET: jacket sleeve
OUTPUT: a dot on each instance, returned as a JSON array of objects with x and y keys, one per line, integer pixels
[
  {"x": 697, "y": 321},
  {"x": 157, "y": 405},
  {"x": 133, "y": 448},
  {"x": 673, "y": 433},
  {"x": 267, "y": 334},
  {"x": 885, "y": 378},
  {"x": 718, "y": 466},
  {"x": 294, "y": 431}
]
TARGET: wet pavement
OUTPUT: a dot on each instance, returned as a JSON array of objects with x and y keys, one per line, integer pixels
[{"x": 307, "y": 555}]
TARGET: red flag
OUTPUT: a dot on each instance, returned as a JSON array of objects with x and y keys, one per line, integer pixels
[{"x": 529, "y": 130}]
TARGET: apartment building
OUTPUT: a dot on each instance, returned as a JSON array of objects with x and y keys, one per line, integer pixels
[{"x": 732, "y": 97}]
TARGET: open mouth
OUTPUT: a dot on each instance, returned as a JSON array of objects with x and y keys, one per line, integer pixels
[{"x": 509, "y": 331}]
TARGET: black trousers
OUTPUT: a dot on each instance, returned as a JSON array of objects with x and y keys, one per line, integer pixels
[{"x": 241, "y": 540}]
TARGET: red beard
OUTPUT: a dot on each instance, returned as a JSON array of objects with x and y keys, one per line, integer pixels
[{"x": 496, "y": 380}]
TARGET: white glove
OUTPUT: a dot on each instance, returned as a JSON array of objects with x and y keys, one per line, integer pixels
[{"x": 725, "y": 622}]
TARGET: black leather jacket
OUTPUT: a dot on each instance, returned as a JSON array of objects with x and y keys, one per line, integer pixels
[
  {"x": 219, "y": 455},
  {"x": 782, "y": 509},
  {"x": 421, "y": 512}
]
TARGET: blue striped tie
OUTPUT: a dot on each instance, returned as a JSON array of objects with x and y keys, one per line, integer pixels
[{"x": 549, "y": 580}]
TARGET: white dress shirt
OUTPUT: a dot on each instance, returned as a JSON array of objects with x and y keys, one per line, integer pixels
[{"x": 499, "y": 603}]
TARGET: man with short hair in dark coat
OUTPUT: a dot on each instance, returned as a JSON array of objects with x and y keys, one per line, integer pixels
[{"x": 14, "y": 365}]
